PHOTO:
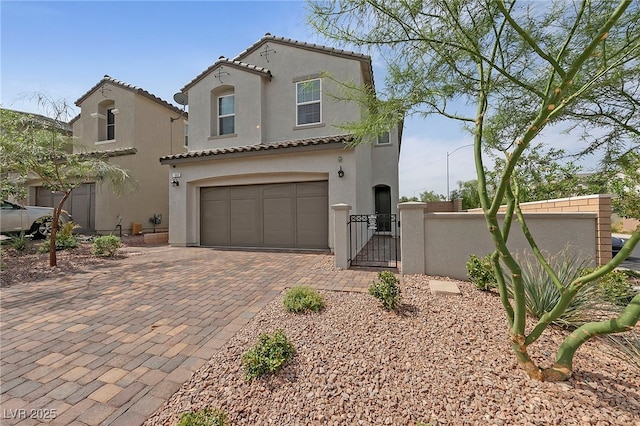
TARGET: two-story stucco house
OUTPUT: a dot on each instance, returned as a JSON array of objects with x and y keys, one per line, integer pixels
[
  {"x": 133, "y": 128},
  {"x": 266, "y": 159}
]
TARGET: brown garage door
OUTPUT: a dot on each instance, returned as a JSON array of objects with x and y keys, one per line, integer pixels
[
  {"x": 290, "y": 215},
  {"x": 81, "y": 204}
]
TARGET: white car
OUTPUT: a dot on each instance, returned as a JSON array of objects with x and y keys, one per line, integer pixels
[{"x": 34, "y": 220}]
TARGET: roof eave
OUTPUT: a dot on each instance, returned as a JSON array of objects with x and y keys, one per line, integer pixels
[{"x": 257, "y": 153}]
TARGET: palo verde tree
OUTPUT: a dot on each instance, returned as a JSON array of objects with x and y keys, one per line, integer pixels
[
  {"x": 506, "y": 70},
  {"x": 41, "y": 148}
]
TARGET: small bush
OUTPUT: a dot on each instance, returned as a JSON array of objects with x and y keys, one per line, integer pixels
[
  {"x": 19, "y": 242},
  {"x": 106, "y": 245},
  {"x": 204, "y": 417},
  {"x": 480, "y": 272},
  {"x": 301, "y": 299},
  {"x": 65, "y": 239},
  {"x": 386, "y": 290},
  {"x": 615, "y": 287},
  {"x": 268, "y": 356},
  {"x": 617, "y": 226}
]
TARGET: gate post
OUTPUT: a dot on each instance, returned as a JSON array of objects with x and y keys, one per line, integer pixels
[
  {"x": 341, "y": 235},
  {"x": 412, "y": 237}
]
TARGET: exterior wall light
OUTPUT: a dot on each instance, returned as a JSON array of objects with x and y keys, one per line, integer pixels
[
  {"x": 340, "y": 172},
  {"x": 174, "y": 182}
]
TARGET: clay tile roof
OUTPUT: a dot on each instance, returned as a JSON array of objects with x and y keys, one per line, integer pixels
[
  {"x": 131, "y": 87},
  {"x": 304, "y": 45},
  {"x": 231, "y": 63},
  {"x": 298, "y": 143},
  {"x": 118, "y": 152}
]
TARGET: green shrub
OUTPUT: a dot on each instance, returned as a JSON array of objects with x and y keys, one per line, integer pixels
[
  {"x": 480, "y": 272},
  {"x": 65, "y": 239},
  {"x": 615, "y": 286},
  {"x": 268, "y": 356},
  {"x": 617, "y": 226},
  {"x": 541, "y": 294},
  {"x": 204, "y": 417},
  {"x": 386, "y": 290},
  {"x": 19, "y": 242},
  {"x": 106, "y": 245},
  {"x": 301, "y": 299}
]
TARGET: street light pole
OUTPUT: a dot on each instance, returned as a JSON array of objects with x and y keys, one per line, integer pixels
[{"x": 448, "y": 154}]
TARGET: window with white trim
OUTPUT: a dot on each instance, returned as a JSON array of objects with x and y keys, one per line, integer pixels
[
  {"x": 308, "y": 102},
  {"x": 383, "y": 139},
  {"x": 186, "y": 133},
  {"x": 106, "y": 117},
  {"x": 226, "y": 114},
  {"x": 111, "y": 124}
]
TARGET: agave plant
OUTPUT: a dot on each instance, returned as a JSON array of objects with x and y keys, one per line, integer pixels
[{"x": 541, "y": 294}]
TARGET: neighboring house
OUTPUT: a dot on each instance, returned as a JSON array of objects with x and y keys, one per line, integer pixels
[
  {"x": 266, "y": 159},
  {"x": 132, "y": 128}
]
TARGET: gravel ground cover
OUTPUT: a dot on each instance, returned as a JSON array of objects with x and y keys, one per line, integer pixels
[
  {"x": 29, "y": 265},
  {"x": 441, "y": 360}
]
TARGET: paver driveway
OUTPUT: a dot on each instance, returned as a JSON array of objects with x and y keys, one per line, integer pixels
[{"x": 111, "y": 345}]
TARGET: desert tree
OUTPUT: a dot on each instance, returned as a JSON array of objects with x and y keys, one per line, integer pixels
[
  {"x": 506, "y": 71},
  {"x": 41, "y": 148}
]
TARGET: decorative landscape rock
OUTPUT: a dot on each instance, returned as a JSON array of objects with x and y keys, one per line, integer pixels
[{"x": 359, "y": 364}]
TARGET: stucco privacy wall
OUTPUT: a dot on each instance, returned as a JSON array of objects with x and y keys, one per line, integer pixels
[
  {"x": 599, "y": 204},
  {"x": 440, "y": 243}
]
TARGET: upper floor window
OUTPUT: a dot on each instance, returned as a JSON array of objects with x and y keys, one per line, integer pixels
[
  {"x": 383, "y": 139},
  {"x": 106, "y": 116},
  {"x": 186, "y": 133},
  {"x": 308, "y": 103},
  {"x": 111, "y": 124},
  {"x": 226, "y": 115}
]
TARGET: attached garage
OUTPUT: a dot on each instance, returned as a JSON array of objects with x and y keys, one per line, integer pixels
[
  {"x": 81, "y": 204},
  {"x": 283, "y": 215}
]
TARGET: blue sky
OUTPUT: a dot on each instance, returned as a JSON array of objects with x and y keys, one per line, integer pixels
[{"x": 63, "y": 48}]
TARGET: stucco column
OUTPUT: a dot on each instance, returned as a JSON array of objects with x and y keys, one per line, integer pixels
[
  {"x": 341, "y": 235},
  {"x": 412, "y": 237}
]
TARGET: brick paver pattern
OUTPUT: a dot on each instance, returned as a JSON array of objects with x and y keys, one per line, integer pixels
[{"x": 111, "y": 345}]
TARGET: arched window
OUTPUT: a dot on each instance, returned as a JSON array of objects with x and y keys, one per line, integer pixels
[{"x": 107, "y": 120}]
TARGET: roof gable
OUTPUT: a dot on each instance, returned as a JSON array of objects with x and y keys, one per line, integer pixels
[
  {"x": 347, "y": 54},
  {"x": 238, "y": 62},
  {"x": 135, "y": 89},
  {"x": 233, "y": 63}
]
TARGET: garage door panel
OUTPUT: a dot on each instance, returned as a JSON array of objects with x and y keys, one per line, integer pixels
[
  {"x": 214, "y": 217},
  {"x": 244, "y": 224},
  {"x": 278, "y": 223},
  {"x": 313, "y": 222},
  {"x": 243, "y": 192},
  {"x": 279, "y": 191},
  {"x": 312, "y": 189}
]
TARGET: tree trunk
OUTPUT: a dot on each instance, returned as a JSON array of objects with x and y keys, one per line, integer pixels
[{"x": 55, "y": 221}]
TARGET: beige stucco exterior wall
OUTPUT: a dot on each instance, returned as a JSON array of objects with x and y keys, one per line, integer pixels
[
  {"x": 142, "y": 124},
  {"x": 266, "y": 109}
]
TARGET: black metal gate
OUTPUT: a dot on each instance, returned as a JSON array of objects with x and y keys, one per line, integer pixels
[{"x": 373, "y": 240}]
